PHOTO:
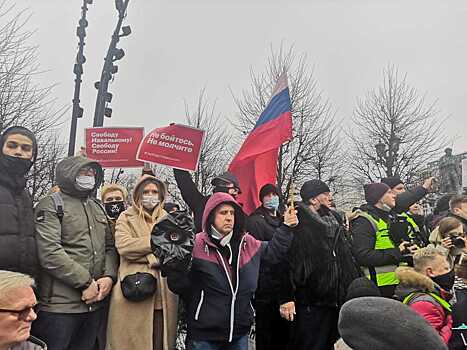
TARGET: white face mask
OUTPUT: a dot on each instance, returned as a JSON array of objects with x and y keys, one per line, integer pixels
[
  {"x": 150, "y": 202},
  {"x": 85, "y": 182}
]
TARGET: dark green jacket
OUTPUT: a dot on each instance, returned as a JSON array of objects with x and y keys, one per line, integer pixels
[{"x": 77, "y": 250}]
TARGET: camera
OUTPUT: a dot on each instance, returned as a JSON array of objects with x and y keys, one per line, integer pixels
[{"x": 457, "y": 241}]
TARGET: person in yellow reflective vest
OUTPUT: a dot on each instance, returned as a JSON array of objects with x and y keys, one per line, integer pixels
[
  {"x": 373, "y": 246},
  {"x": 409, "y": 223}
]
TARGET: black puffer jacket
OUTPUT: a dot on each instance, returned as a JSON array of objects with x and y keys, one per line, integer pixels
[
  {"x": 191, "y": 195},
  {"x": 261, "y": 225},
  {"x": 320, "y": 265},
  {"x": 17, "y": 243}
]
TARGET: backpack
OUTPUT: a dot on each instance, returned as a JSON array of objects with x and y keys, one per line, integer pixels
[{"x": 59, "y": 206}]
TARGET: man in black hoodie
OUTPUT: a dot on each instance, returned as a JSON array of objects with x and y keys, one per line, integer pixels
[
  {"x": 196, "y": 201},
  {"x": 318, "y": 271},
  {"x": 17, "y": 244},
  {"x": 272, "y": 331}
]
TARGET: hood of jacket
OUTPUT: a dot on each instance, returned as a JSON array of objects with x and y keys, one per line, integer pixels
[
  {"x": 136, "y": 208},
  {"x": 217, "y": 199},
  {"x": 68, "y": 169}
]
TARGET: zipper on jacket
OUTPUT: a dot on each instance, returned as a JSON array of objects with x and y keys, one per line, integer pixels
[
  {"x": 234, "y": 292},
  {"x": 198, "y": 309},
  {"x": 253, "y": 309}
]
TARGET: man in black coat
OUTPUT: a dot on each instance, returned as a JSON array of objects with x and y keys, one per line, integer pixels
[
  {"x": 17, "y": 243},
  {"x": 319, "y": 269},
  {"x": 196, "y": 201},
  {"x": 272, "y": 331}
]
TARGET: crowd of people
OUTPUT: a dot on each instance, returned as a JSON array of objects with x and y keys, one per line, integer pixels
[{"x": 78, "y": 269}]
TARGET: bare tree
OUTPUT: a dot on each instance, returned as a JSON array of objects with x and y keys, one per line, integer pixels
[
  {"x": 395, "y": 131},
  {"x": 22, "y": 101},
  {"x": 315, "y": 150}
]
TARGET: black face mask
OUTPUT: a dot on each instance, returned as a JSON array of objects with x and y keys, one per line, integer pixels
[
  {"x": 113, "y": 209},
  {"x": 16, "y": 166},
  {"x": 445, "y": 281}
]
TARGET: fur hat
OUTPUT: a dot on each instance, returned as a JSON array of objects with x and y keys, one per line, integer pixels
[
  {"x": 313, "y": 188},
  {"x": 385, "y": 324}
]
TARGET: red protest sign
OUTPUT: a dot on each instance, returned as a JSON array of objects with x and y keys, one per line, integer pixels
[
  {"x": 114, "y": 147},
  {"x": 177, "y": 146}
]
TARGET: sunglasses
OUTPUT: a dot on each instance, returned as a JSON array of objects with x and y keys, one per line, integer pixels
[{"x": 24, "y": 313}]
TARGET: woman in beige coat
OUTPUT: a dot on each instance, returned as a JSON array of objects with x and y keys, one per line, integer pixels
[{"x": 150, "y": 324}]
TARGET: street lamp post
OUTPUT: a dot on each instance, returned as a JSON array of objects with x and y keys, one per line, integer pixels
[
  {"x": 387, "y": 156},
  {"x": 113, "y": 54},
  {"x": 77, "y": 111}
]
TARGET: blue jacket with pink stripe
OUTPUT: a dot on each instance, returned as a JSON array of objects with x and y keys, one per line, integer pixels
[{"x": 218, "y": 292}]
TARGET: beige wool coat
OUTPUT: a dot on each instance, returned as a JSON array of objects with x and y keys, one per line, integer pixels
[{"x": 131, "y": 324}]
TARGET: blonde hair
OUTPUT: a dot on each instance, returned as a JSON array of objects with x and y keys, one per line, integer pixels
[
  {"x": 138, "y": 192},
  {"x": 114, "y": 187},
  {"x": 12, "y": 280},
  {"x": 426, "y": 255}
]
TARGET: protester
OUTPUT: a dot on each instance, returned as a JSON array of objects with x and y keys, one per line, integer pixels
[
  {"x": 458, "y": 209},
  {"x": 77, "y": 257},
  {"x": 149, "y": 323},
  {"x": 405, "y": 227},
  {"x": 226, "y": 182},
  {"x": 271, "y": 330},
  {"x": 17, "y": 303},
  {"x": 452, "y": 237},
  {"x": 114, "y": 198},
  {"x": 459, "y": 310},
  {"x": 441, "y": 210},
  {"x": 17, "y": 243},
  {"x": 384, "y": 324},
  {"x": 405, "y": 198},
  {"x": 318, "y": 271},
  {"x": 220, "y": 284},
  {"x": 373, "y": 246},
  {"x": 426, "y": 288}
]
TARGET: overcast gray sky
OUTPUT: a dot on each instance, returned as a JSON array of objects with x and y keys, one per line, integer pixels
[{"x": 179, "y": 46}]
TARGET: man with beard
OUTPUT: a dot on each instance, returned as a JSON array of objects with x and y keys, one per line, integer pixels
[
  {"x": 319, "y": 269},
  {"x": 17, "y": 244}
]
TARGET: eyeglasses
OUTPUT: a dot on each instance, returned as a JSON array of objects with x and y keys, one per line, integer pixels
[{"x": 24, "y": 313}]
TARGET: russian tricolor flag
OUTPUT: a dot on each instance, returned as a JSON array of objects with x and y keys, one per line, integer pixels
[{"x": 256, "y": 162}]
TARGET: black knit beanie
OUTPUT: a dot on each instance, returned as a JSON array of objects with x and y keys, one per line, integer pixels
[
  {"x": 362, "y": 287},
  {"x": 313, "y": 188},
  {"x": 392, "y": 181},
  {"x": 267, "y": 189},
  {"x": 375, "y": 191}
]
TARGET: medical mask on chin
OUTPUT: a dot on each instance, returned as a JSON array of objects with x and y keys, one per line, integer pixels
[
  {"x": 386, "y": 208},
  {"x": 272, "y": 203},
  {"x": 85, "y": 182},
  {"x": 150, "y": 202}
]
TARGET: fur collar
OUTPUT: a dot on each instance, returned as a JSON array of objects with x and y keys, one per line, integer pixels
[{"x": 410, "y": 278}]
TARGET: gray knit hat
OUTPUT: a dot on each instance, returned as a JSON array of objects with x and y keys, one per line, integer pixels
[{"x": 384, "y": 324}]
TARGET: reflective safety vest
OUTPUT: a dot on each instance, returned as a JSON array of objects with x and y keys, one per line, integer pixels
[
  {"x": 414, "y": 230},
  {"x": 425, "y": 296},
  {"x": 381, "y": 275}
]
